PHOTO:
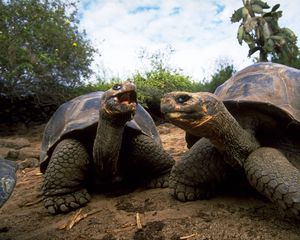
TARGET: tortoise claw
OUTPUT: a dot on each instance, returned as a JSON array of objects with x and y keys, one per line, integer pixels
[
  {"x": 67, "y": 202},
  {"x": 186, "y": 193},
  {"x": 159, "y": 182}
]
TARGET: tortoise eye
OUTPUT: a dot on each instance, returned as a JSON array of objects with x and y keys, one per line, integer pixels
[
  {"x": 117, "y": 87},
  {"x": 182, "y": 98}
]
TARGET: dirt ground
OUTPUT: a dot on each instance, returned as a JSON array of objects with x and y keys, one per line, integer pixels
[{"x": 238, "y": 214}]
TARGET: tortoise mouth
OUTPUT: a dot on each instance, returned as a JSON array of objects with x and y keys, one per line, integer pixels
[
  {"x": 188, "y": 120},
  {"x": 128, "y": 97},
  {"x": 183, "y": 115}
]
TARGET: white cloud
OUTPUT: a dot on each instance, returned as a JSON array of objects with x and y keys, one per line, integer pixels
[{"x": 199, "y": 31}]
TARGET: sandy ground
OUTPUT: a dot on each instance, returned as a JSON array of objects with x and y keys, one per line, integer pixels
[{"x": 238, "y": 214}]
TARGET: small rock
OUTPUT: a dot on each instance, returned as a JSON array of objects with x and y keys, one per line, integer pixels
[
  {"x": 28, "y": 152},
  {"x": 12, "y": 154},
  {"x": 4, "y": 152},
  {"x": 29, "y": 163},
  {"x": 17, "y": 143}
]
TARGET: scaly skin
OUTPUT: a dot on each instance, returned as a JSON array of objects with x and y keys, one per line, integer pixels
[
  {"x": 65, "y": 176},
  {"x": 270, "y": 172},
  {"x": 200, "y": 172},
  {"x": 63, "y": 181},
  {"x": 147, "y": 160}
]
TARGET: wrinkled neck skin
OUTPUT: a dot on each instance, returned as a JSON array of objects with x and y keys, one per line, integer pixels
[
  {"x": 228, "y": 136},
  {"x": 106, "y": 149}
]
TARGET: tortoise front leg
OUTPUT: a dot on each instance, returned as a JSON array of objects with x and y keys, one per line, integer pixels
[
  {"x": 199, "y": 173},
  {"x": 270, "y": 172},
  {"x": 63, "y": 181},
  {"x": 148, "y": 161}
]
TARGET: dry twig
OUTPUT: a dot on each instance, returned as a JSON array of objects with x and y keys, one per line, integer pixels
[
  {"x": 77, "y": 217},
  {"x": 189, "y": 236},
  {"x": 138, "y": 221},
  {"x": 34, "y": 202}
]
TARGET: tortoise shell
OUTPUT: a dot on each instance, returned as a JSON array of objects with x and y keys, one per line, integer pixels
[
  {"x": 267, "y": 87},
  {"x": 82, "y": 113},
  {"x": 8, "y": 178}
]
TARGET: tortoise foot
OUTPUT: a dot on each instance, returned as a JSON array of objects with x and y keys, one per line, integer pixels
[
  {"x": 159, "y": 182},
  {"x": 66, "y": 203},
  {"x": 184, "y": 193},
  {"x": 270, "y": 172}
]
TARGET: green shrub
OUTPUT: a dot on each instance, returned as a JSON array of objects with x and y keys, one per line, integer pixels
[
  {"x": 43, "y": 53},
  {"x": 158, "y": 83},
  {"x": 155, "y": 83},
  {"x": 101, "y": 85},
  {"x": 223, "y": 73}
]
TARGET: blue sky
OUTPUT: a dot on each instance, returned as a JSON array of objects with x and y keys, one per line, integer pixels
[{"x": 199, "y": 32}]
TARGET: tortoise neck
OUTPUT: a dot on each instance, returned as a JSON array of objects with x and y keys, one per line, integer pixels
[
  {"x": 106, "y": 148},
  {"x": 230, "y": 137}
]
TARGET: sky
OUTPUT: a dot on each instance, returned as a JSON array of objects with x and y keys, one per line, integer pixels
[{"x": 199, "y": 33}]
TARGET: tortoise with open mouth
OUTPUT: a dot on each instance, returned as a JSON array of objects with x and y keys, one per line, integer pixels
[
  {"x": 100, "y": 139},
  {"x": 250, "y": 124}
]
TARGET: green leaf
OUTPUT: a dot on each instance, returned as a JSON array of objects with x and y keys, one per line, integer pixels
[
  {"x": 257, "y": 9},
  {"x": 268, "y": 14},
  {"x": 240, "y": 34},
  {"x": 274, "y": 25},
  {"x": 245, "y": 12},
  {"x": 262, "y": 4},
  {"x": 275, "y": 8},
  {"x": 276, "y": 15},
  {"x": 277, "y": 37},
  {"x": 249, "y": 40},
  {"x": 269, "y": 46},
  {"x": 266, "y": 30},
  {"x": 237, "y": 15}
]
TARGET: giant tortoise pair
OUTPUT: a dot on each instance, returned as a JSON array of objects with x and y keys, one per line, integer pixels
[
  {"x": 250, "y": 124},
  {"x": 98, "y": 139}
]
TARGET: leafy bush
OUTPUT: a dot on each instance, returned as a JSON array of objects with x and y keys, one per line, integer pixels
[
  {"x": 160, "y": 79},
  {"x": 159, "y": 82},
  {"x": 43, "y": 54},
  {"x": 101, "y": 85},
  {"x": 155, "y": 84},
  {"x": 223, "y": 73}
]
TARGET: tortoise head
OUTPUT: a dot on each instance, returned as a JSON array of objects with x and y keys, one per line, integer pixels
[
  {"x": 192, "y": 112},
  {"x": 118, "y": 104}
]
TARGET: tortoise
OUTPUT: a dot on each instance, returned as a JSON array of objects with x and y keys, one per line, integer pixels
[
  {"x": 97, "y": 141},
  {"x": 250, "y": 125},
  {"x": 8, "y": 179}
]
